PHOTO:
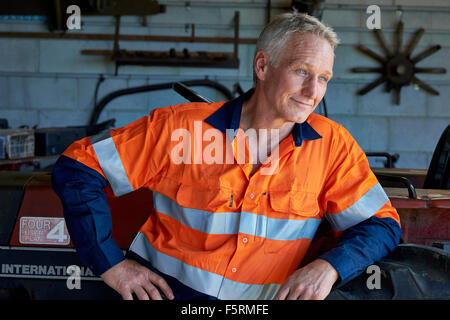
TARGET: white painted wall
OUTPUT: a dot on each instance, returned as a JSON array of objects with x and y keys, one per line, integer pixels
[{"x": 48, "y": 83}]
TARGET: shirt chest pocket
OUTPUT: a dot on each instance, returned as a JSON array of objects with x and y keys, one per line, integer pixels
[
  {"x": 202, "y": 198},
  {"x": 298, "y": 203},
  {"x": 294, "y": 215}
]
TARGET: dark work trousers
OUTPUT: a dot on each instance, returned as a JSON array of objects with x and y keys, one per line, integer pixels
[{"x": 180, "y": 291}]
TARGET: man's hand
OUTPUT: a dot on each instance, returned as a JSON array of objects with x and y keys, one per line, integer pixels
[
  {"x": 312, "y": 282},
  {"x": 128, "y": 277}
]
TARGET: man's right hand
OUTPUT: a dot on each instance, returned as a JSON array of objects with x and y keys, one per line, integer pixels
[{"x": 128, "y": 277}]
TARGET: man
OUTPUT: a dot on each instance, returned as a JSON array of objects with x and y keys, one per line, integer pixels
[{"x": 235, "y": 229}]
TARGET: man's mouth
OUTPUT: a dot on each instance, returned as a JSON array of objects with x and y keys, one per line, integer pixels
[{"x": 303, "y": 103}]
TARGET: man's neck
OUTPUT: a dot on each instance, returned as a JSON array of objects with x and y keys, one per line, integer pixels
[{"x": 256, "y": 114}]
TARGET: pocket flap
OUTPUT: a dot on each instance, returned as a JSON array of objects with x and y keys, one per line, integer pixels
[
  {"x": 201, "y": 198},
  {"x": 297, "y": 202}
]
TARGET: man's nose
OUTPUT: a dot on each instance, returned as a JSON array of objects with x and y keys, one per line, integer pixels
[{"x": 309, "y": 88}]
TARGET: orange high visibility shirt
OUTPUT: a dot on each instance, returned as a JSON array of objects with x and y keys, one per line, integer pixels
[{"x": 215, "y": 227}]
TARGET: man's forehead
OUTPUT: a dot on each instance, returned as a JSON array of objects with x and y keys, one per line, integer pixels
[
  {"x": 304, "y": 42},
  {"x": 312, "y": 61},
  {"x": 308, "y": 49},
  {"x": 305, "y": 60}
]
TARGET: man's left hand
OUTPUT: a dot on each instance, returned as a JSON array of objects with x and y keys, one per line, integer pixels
[{"x": 312, "y": 282}]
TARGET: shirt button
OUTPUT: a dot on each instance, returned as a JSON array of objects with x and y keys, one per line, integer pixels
[
  {"x": 245, "y": 240},
  {"x": 252, "y": 195},
  {"x": 234, "y": 270}
]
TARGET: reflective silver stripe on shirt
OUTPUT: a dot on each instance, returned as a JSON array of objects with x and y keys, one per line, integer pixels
[
  {"x": 110, "y": 162},
  {"x": 361, "y": 210},
  {"x": 234, "y": 222},
  {"x": 203, "y": 281},
  {"x": 277, "y": 229},
  {"x": 233, "y": 290},
  {"x": 201, "y": 220}
]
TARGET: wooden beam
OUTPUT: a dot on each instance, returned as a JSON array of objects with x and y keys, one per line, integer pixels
[{"x": 123, "y": 37}]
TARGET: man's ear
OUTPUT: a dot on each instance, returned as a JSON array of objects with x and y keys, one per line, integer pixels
[{"x": 261, "y": 64}]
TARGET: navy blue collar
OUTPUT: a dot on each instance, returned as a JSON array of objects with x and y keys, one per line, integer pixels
[{"x": 229, "y": 115}]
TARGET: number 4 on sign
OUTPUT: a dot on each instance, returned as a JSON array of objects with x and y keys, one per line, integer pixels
[{"x": 57, "y": 233}]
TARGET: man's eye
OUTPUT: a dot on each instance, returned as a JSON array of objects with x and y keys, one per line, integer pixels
[
  {"x": 325, "y": 79},
  {"x": 302, "y": 71}
]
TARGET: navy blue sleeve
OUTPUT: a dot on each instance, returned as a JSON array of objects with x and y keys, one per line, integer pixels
[
  {"x": 87, "y": 213},
  {"x": 362, "y": 245}
]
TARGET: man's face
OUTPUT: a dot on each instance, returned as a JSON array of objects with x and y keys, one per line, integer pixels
[{"x": 296, "y": 86}]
